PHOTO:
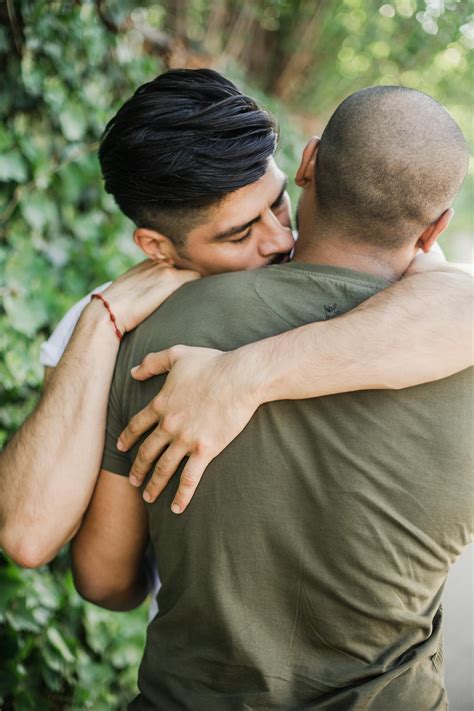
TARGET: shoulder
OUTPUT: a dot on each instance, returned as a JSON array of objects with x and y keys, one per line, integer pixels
[
  {"x": 208, "y": 297},
  {"x": 206, "y": 312}
]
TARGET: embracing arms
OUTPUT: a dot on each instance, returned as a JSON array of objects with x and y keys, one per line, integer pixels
[
  {"x": 378, "y": 345},
  {"x": 49, "y": 469},
  {"x": 416, "y": 331}
]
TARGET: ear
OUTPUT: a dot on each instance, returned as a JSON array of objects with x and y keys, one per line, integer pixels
[
  {"x": 305, "y": 172},
  {"x": 431, "y": 234},
  {"x": 155, "y": 245}
]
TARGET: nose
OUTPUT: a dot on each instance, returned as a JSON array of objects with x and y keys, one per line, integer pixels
[{"x": 276, "y": 238}]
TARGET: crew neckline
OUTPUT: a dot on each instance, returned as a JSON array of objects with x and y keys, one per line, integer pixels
[{"x": 333, "y": 271}]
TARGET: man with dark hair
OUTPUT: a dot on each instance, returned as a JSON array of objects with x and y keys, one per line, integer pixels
[
  {"x": 166, "y": 158},
  {"x": 309, "y": 569}
]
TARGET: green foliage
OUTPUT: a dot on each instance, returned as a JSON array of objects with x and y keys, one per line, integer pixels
[
  {"x": 58, "y": 652},
  {"x": 60, "y": 236}
]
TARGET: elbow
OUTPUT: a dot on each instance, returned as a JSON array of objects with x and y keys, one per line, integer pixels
[
  {"x": 108, "y": 591},
  {"x": 25, "y": 551},
  {"x": 32, "y": 544},
  {"x": 91, "y": 589},
  {"x": 109, "y": 597}
]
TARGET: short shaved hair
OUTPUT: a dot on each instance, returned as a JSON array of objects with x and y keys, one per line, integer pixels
[{"x": 390, "y": 162}]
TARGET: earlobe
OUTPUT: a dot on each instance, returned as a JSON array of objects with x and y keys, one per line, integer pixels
[
  {"x": 307, "y": 167},
  {"x": 431, "y": 234}
]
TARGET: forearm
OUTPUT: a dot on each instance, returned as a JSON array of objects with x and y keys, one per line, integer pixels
[
  {"x": 416, "y": 331},
  {"x": 49, "y": 468},
  {"x": 108, "y": 553}
]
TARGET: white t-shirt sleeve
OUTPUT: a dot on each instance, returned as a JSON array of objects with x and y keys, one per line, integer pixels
[{"x": 52, "y": 349}]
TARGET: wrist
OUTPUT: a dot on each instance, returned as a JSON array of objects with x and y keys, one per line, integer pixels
[
  {"x": 119, "y": 329},
  {"x": 250, "y": 367},
  {"x": 96, "y": 319}
]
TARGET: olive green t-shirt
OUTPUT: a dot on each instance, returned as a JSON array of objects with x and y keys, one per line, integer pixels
[{"x": 308, "y": 570}]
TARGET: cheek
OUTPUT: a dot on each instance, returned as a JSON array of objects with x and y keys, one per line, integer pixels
[
  {"x": 226, "y": 258},
  {"x": 236, "y": 258}
]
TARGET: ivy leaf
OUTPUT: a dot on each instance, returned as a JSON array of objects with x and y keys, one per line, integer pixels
[
  {"x": 59, "y": 644},
  {"x": 45, "y": 589},
  {"x": 73, "y": 121},
  {"x": 13, "y": 167},
  {"x": 21, "y": 618},
  {"x": 26, "y": 316},
  {"x": 37, "y": 210}
]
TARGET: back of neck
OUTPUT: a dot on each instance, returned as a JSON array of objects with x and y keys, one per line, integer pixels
[{"x": 361, "y": 258}]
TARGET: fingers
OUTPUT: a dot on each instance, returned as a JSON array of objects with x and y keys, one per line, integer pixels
[
  {"x": 190, "y": 478},
  {"x": 138, "y": 425},
  {"x": 148, "y": 453},
  {"x": 164, "y": 470},
  {"x": 155, "y": 364}
]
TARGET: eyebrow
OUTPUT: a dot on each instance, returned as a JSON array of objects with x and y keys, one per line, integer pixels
[{"x": 221, "y": 236}]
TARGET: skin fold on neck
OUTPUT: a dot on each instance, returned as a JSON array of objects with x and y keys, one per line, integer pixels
[
  {"x": 322, "y": 246},
  {"x": 389, "y": 266}
]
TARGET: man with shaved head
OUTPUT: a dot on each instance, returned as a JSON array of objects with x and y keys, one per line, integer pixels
[
  {"x": 388, "y": 142},
  {"x": 324, "y": 594}
]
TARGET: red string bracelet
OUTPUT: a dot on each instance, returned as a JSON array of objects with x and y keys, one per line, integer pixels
[{"x": 111, "y": 314}]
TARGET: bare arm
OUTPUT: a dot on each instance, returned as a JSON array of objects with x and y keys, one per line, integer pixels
[
  {"x": 416, "y": 331},
  {"x": 48, "y": 374},
  {"x": 48, "y": 470},
  {"x": 108, "y": 551}
]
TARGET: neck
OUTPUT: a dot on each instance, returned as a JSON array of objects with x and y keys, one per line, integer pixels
[{"x": 335, "y": 252}]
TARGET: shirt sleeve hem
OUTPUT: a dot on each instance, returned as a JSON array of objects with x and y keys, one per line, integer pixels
[{"x": 115, "y": 466}]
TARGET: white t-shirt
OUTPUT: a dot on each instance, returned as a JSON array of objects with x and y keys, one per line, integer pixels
[
  {"x": 50, "y": 353},
  {"x": 52, "y": 349}
]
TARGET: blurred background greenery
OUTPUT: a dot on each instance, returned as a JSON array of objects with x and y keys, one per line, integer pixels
[{"x": 66, "y": 68}]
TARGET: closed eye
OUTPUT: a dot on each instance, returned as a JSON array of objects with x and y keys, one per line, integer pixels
[
  {"x": 244, "y": 237},
  {"x": 279, "y": 202}
]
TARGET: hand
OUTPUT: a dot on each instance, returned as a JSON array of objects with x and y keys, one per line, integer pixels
[
  {"x": 206, "y": 401},
  {"x": 138, "y": 292}
]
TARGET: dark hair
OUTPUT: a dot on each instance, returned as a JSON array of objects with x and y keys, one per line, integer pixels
[
  {"x": 390, "y": 162},
  {"x": 180, "y": 144}
]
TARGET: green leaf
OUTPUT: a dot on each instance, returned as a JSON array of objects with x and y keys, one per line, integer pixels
[
  {"x": 21, "y": 618},
  {"x": 44, "y": 588},
  {"x": 13, "y": 167},
  {"x": 58, "y": 642},
  {"x": 73, "y": 121},
  {"x": 26, "y": 316},
  {"x": 38, "y": 210}
]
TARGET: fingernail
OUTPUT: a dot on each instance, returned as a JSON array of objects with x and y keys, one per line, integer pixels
[
  {"x": 134, "y": 481},
  {"x": 147, "y": 497},
  {"x": 120, "y": 446},
  {"x": 134, "y": 370},
  {"x": 175, "y": 508}
]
